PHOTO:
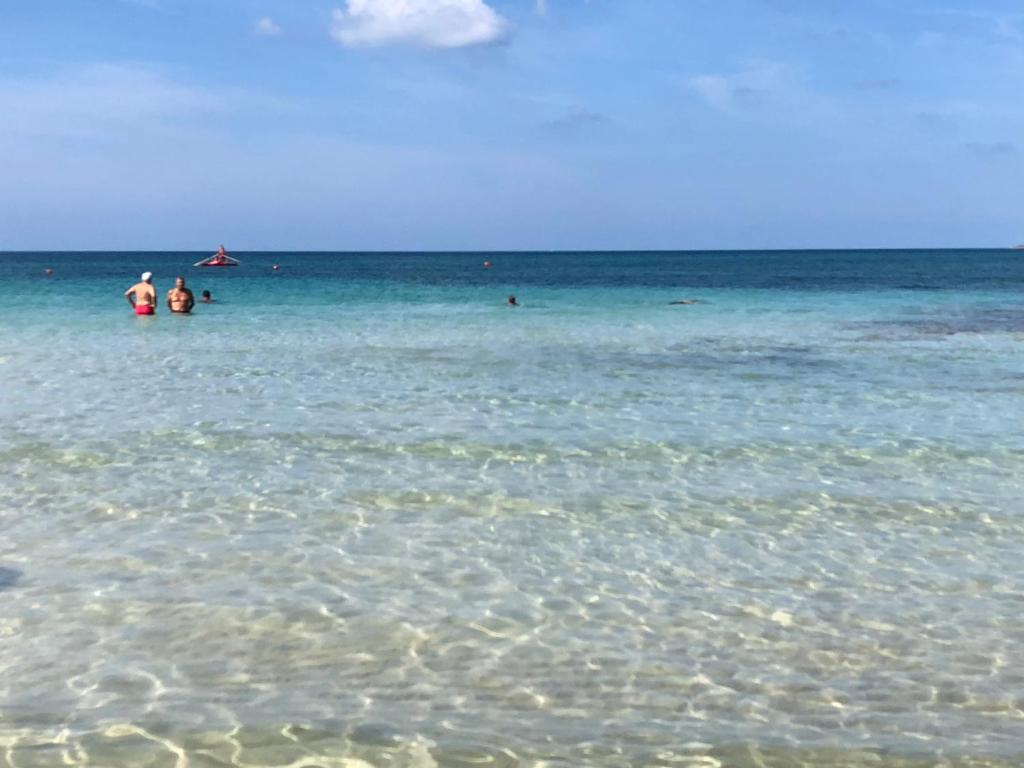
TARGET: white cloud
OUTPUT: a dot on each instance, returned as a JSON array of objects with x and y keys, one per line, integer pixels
[
  {"x": 430, "y": 23},
  {"x": 1005, "y": 27},
  {"x": 716, "y": 90},
  {"x": 575, "y": 123},
  {"x": 102, "y": 101},
  {"x": 266, "y": 27},
  {"x": 760, "y": 81}
]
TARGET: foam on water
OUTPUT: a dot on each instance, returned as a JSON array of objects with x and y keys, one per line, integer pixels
[{"x": 360, "y": 513}]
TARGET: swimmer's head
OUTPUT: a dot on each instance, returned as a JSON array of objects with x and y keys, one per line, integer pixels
[
  {"x": 179, "y": 282},
  {"x": 206, "y": 294},
  {"x": 147, "y": 276}
]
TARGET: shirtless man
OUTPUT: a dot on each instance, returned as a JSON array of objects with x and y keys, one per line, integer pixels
[
  {"x": 180, "y": 298},
  {"x": 142, "y": 296},
  {"x": 220, "y": 256}
]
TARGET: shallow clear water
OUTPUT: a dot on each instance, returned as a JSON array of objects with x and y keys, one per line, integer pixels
[{"x": 359, "y": 512}]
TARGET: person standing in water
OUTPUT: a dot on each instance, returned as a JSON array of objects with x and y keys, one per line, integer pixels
[
  {"x": 142, "y": 295},
  {"x": 180, "y": 298}
]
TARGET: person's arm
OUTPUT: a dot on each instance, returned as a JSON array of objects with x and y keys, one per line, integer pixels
[
  {"x": 191, "y": 301},
  {"x": 169, "y": 300},
  {"x": 130, "y": 296}
]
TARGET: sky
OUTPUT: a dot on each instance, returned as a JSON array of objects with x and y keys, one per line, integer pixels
[{"x": 510, "y": 124}]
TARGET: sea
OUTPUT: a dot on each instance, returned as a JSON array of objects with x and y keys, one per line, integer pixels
[{"x": 359, "y": 512}]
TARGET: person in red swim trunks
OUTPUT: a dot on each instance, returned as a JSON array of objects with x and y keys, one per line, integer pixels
[{"x": 142, "y": 295}]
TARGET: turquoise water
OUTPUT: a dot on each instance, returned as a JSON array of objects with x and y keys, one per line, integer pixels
[{"x": 359, "y": 512}]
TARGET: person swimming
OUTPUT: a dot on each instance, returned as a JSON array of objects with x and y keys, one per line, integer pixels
[
  {"x": 207, "y": 298},
  {"x": 142, "y": 295},
  {"x": 512, "y": 301}
]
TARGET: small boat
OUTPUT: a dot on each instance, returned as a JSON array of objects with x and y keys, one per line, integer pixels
[
  {"x": 218, "y": 260},
  {"x": 204, "y": 263}
]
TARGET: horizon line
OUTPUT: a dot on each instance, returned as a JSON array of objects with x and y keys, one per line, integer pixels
[{"x": 514, "y": 251}]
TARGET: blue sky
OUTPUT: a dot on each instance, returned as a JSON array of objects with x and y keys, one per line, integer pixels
[{"x": 519, "y": 124}]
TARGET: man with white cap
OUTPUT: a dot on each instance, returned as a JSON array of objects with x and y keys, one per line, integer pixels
[{"x": 142, "y": 296}]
